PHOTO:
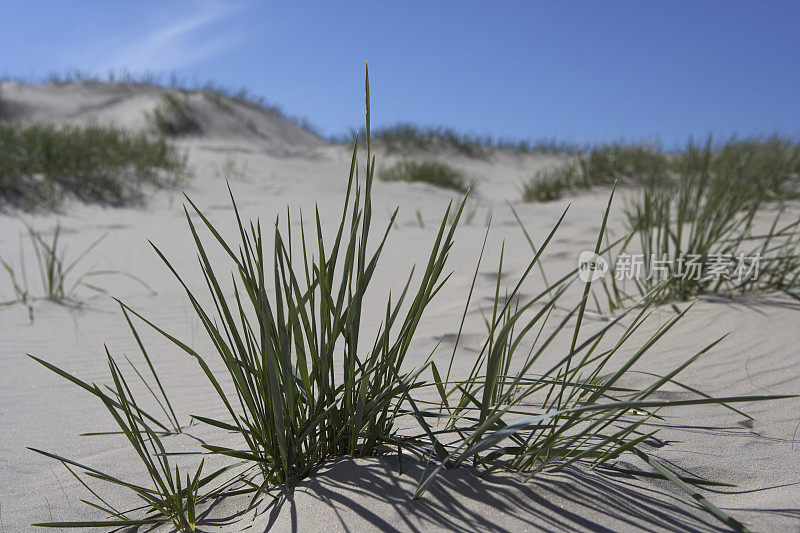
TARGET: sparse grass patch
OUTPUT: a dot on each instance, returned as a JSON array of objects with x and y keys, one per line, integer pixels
[
  {"x": 434, "y": 172},
  {"x": 41, "y": 164},
  {"x": 409, "y": 137},
  {"x": 174, "y": 117},
  {"x": 169, "y": 499},
  {"x": 232, "y": 169},
  {"x": 763, "y": 170},
  {"x": 55, "y": 271},
  {"x": 220, "y": 100}
]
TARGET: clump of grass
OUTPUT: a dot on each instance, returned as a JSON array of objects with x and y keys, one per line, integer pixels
[
  {"x": 174, "y": 117},
  {"x": 55, "y": 270},
  {"x": 505, "y": 416},
  {"x": 42, "y": 164},
  {"x": 633, "y": 163},
  {"x": 699, "y": 232},
  {"x": 281, "y": 347},
  {"x": 294, "y": 412},
  {"x": 552, "y": 183},
  {"x": 434, "y": 172},
  {"x": 602, "y": 165},
  {"x": 5, "y": 110}
]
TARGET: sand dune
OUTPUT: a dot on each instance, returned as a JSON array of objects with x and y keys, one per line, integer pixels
[
  {"x": 131, "y": 106},
  {"x": 279, "y": 164}
]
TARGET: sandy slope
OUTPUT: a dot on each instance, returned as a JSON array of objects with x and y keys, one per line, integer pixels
[
  {"x": 131, "y": 106},
  {"x": 39, "y": 409}
]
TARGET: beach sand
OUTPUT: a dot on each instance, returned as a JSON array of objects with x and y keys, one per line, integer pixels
[{"x": 285, "y": 166}]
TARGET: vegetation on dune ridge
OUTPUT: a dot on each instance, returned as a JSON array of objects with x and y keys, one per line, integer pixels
[
  {"x": 215, "y": 91},
  {"x": 761, "y": 167},
  {"x": 41, "y": 164},
  {"x": 308, "y": 387},
  {"x": 704, "y": 207},
  {"x": 408, "y": 137},
  {"x": 434, "y": 172}
]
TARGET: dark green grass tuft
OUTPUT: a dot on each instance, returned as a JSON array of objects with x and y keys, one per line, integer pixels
[
  {"x": 433, "y": 172},
  {"x": 40, "y": 164},
  {"x": 5, "y": 110},
  {"x": 552, "y": 183},
  {"x": 174, "y": 117},
  {"x": 634, "y": 163}
]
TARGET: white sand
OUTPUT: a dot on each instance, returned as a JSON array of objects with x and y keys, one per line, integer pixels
[{"x": 286, "y": 166}]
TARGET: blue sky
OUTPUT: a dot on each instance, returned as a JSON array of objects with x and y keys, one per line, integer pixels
[{"x": 584, "y": 71}]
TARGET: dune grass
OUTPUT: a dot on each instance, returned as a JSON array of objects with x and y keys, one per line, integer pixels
[
  {"x": 53, "y": 268},
  {"x": 215, "y": 91},
  {"x": 709, "y": 219},
  {"x": 5, "y": 110},
  {"x": 293, "y": 412},
  {"x": 282, "y": 329},
  {"x": 716, "y": 226},
  {"x": 602, "y": 165},
  {"x": 174, "y": 117},
  {"x": 618, "y": 162},
  {"x": 409, "y": 137},
  {"x": 760, "y": 168},
  {"x": 232, "y": 169},
  {"x": 406, "y": 137},
  {"x": 434, "y": 172},
  {"x": 59, "y": 284},
  {"x": 41, "y": 164},
  {"x": 505, "y": 416},
  {"x": 552, "y": 183},
  {"x": 169, "y": 498}
]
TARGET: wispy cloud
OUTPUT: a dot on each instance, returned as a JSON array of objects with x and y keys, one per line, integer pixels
[{"x": 177, "y": 44}]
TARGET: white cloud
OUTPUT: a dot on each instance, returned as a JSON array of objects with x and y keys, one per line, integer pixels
[{"x": 171, "y": 46}]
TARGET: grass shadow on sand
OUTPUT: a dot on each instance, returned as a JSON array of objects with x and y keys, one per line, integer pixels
[{"x": 367, "y": 494}]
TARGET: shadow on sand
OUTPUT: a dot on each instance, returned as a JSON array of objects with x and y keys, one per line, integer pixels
[{"x": 370, "y": 495}]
